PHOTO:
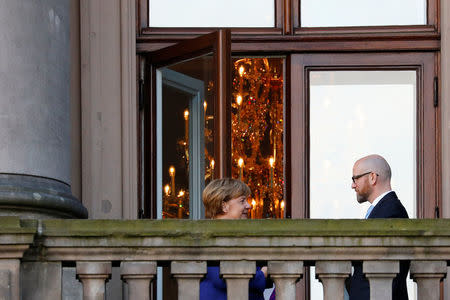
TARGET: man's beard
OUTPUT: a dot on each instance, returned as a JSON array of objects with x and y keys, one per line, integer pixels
[{"x": 361, "y": 198}]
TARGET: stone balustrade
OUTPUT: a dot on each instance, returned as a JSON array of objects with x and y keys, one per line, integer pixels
[{"x": 30, "y": 248}]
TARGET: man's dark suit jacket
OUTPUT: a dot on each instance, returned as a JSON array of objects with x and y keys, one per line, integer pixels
[{"x": 388, "y": 207}]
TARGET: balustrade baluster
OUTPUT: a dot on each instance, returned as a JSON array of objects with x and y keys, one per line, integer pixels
[
  {"x": 9, "y": 279},
  {"x": 188, "y": 275},
  {"x": 428, "y": 274},
  {"x": 237, "y": 275},
  {"x": 380, "y": 275},
  {"x": 93, "y": 275},
  {"x": 138, "y": 275},
  {"x": 332, "y": 274},
  {"x": 285, "y": 274}
]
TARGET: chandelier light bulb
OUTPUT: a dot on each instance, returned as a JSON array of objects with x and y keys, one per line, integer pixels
[
  {"x": 167, "y": 189},
  {"x": 240, "y": 162},
  {"x": 241, "y": 70},
  {"x": 239, "y": 100},
  {"x": 172, "y": 170},
  {"x": 271, "y": 162}
]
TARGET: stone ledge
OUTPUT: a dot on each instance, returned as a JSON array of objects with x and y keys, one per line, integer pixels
[{"x": 248, "y": 228}]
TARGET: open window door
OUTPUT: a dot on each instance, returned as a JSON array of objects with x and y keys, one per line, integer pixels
[
  {"x": 186, "y": 131},
  {"x": 186, "y": 124}
]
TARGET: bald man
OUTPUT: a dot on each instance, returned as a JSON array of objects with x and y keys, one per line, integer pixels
[{"x": 372, "y": 183}]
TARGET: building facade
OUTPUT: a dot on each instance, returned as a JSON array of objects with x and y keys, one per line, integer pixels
[{"x": 83, "y": 133}]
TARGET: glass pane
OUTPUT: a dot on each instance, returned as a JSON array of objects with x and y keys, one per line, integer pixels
[
  {"x": 362, "y": 13},
  {"x": 354, "y": 114},
  {"x": 185, "y": 128},
  {"x": 257, "y": 133},
  {"x": 206, "y": 13}
]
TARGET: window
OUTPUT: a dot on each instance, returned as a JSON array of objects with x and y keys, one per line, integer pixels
[
  {"x": 311, "y": 71},
  {"x": 314, "y": 55},
  {"x": 203, "y": 13},
  {"x": 352, "y": 114},
  {"x": 185, "y": 124},
  {"x": 257, "y": 132},
  {"x": 362, "y": 13}
]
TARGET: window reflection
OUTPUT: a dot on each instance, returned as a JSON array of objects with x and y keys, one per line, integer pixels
[
  {"x": 187, "y": 122},
  {"x": 207, "y": 13},
  {"x": 257, "y": 133},
  {"x": 176, "y": 153},
  {"x": 354, "y": 114},
  {"x": 363, "y": 13}
]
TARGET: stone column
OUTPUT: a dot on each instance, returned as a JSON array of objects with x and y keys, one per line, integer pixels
[
  {"x": 93, "y": 275},
  {"x": 188, "y": 275},
  {"x": 332, "y": 274},
  {"x": 35, "y": 162},
  {"x": 138, "y": 275},
  {"x": 428, "y": 274},
  {"x": 237, "y": 275},
  {"x": 285, "y": 274},
  {"x": 380, "y": 275}
]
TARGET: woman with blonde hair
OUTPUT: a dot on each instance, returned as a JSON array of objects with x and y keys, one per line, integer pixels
[{"x": 227, "y": 199}]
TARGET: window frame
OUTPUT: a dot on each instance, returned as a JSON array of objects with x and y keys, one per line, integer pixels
[
  {"x": 287, "y": 35},
  {"x": 288, "y": 39},
  {"x": 416, "y": 46},
  {"x": 427, "y": 127},
  {"x": 217, "y": 43}
]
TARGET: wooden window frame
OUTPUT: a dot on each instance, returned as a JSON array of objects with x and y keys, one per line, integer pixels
[
  {"x": 427, "y": 121},
  {"x": 411, "y": 44},
  {"x": 374, "y": 47},
  {"x": 286, "y": 35},
  {"x": 217, "y": 43}
]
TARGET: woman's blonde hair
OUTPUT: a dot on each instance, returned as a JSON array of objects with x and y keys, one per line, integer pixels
[{"x": 222, "y": 190}]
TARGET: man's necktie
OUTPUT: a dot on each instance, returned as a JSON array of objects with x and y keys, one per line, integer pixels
[{"x": 368, "y": 212}]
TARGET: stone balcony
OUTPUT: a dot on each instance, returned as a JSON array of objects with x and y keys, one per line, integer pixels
[{"x": 35, "y": 253}]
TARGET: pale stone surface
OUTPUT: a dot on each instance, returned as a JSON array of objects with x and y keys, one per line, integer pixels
[
  {"x": 10, "y": 272},
  {"x": 428, "y": 274},
  {"x": 5, "y": 284},
  {"x": 250, "y": 240},
  {"x": 41, "y": 280},
  {"x": 237, "y": 275},
  {"x": 138, "y": 275},
  {"x": 108, "y": 111},
  {"x": 188, "y": 275},
  {"x": 380, "y": 275},
  {"x": 285, "y": 274},
  {"x": 34, "y": 88},
  {"x": 93, "y": 276},
  {"x": 332, "y": 274}
]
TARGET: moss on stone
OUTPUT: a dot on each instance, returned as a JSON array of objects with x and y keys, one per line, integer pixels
[{"x": 240, "y": 228}]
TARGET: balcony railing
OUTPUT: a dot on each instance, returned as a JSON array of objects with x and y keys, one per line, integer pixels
[{"x": 33, "y": 254}]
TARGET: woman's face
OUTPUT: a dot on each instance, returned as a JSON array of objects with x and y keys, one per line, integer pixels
[{"x": 236, "y": 208}]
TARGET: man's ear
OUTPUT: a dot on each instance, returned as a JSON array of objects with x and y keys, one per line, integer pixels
[{"x": 373, "y": 177}]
